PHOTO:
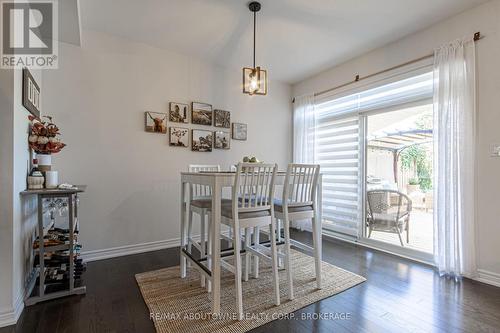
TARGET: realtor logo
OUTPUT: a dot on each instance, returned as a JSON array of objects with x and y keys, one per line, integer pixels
[{"x": 29, "y": 34}]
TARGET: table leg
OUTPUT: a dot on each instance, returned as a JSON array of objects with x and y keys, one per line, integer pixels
[
  {"x": 215, "y": 230},
  {"x": 318, "y": 225},
  {"x": 183, "y": 229}
]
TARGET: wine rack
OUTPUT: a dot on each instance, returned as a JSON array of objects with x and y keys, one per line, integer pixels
[{"x": 47, "y": 280}]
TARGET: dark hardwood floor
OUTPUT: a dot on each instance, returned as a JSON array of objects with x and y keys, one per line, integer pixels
[{"x": 398, "y": 296}]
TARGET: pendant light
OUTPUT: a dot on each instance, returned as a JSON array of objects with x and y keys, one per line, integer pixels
[{"x": 255, "y": 78}]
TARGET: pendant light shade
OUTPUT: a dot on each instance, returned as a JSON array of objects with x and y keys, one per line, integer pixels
[{"x": 254, "y": 78}]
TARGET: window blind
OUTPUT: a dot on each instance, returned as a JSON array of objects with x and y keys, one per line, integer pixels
[{"x": 339, "y": 138}]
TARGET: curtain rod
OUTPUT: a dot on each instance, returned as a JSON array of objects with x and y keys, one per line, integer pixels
[{"x": 357, "y": 78}]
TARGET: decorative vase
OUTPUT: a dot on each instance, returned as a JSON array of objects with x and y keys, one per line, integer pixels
[
  {"x": 44, "y": 162},
  {"x": 51, "y": 179},
  {"x": 35, "y": 182}
]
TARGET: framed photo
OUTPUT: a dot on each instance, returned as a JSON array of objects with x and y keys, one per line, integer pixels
[
  {"x": 156, "y": 122},
  {"x": 179, "y": 137},
  {"x": 221, "y": 140},
  {"x": 201, "y": 140},
  {"x": 178, "y": 112},
  {"x": 222, "y": 118},
  {"x": 31, "y": 93},
  {"x": 239, "y": 131},
  {"x": 201, "y": 113}
]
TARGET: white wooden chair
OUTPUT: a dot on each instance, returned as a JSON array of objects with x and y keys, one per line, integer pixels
[
  {"x": 200, "y": 202},
  {"x": 298, "y": 202},
  {"x": 251, "y": 206}
]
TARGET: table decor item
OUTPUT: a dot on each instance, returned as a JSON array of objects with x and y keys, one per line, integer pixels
[
  {"x": 44, "y": 140},
  {"x": 51, "y": 179}
]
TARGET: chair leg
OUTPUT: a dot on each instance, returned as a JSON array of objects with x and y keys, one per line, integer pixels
[
  {"x": 189, "y": 232},
  {"x": 279, "y": 225},
  {"x": 248, "y": 256},
  {"x": 399, "y": 235},
  {"x": 209, "y": 253},
  {"x": 408, "y": 231},
  {"x": 317, "y": 252},
  {"x": 202, "y": 242},
  {"x": 288, "y": 266},
  {"x": 237, "y": 266},
  {"x": 274, "y": 256},
  {"x": 256, "y": 240}
]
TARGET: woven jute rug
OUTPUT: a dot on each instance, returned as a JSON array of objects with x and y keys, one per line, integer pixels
[{"x": 181, "y": 305}]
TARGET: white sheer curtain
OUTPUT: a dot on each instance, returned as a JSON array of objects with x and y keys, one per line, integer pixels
[
  {"x": 454, "y": 124},
  {"x": 304, "y": 139},
  {"x": 304, "y": 126}
]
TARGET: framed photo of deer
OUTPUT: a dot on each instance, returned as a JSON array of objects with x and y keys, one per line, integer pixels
[
  {"x": 201, "y": 113},
  {"x": 179, "y": 137},
  {"x": 222, "y": 118},
  {"x": 156, "y": 122},
  {"x": 178, "y": 112},
  {"x": 201, "y": 140}
]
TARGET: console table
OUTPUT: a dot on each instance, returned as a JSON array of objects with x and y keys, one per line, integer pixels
[{"x": 71, "y": 195}]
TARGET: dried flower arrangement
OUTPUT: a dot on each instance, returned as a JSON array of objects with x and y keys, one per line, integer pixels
[{"x": 43, "y": 138}]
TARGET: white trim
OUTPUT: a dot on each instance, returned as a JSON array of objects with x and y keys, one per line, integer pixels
[
  {"x": 373, "y": 245},
  {"x": 488, "y": 277},
  {"x": 11, "y": 316},
  {"x": 126, "y": 250}
]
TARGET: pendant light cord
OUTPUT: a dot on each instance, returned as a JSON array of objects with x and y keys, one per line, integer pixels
[{"x": 254, "y": 21}]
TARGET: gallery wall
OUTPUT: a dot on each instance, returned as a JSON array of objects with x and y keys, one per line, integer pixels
[
  {"x": 486, "y": 19},
  {"x": 98, "y": 97}
]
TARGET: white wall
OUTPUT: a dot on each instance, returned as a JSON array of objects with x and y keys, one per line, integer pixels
[
  {"x": 98, "y": 97},
  {"x": 17, "y": 217},
  {"x": 485, "y": 18}
]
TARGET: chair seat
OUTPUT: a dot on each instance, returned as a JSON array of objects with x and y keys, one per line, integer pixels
[
  {"x": 206, "y": 202},
  {"x": 227, "y": 211},
  {"x": 278, "y": 207}
]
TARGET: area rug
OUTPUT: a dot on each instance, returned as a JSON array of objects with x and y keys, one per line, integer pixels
[{"x": 181, "y": 305}]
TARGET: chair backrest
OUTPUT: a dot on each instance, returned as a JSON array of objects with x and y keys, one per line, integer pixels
[
  {"x": 300, "y": 186},
  {"x": 253, "y": 188},
  {"x": 390, "y": 203},
  {"x": 198, "y": 191}
]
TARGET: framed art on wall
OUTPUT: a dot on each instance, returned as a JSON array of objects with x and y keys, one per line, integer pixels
[
  {"x": 156, "y": 122},
  {"x": 178, "y": 112},
  {"x": 222, "y": 118},
  {"x": 201, "y": 113},
  {"x": 201, "y": 140},
  {"x": 31, "y": 93},
  {"x": 179, "y": 137},
  {"x": 239, "y": 131},
  {"x": 221, "y": 140}
]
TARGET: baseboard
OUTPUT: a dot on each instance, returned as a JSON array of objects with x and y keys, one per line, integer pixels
[
  {"x": 129, "y": 249},
  {"x": 488, "y": 277},
  {"x": 11, "y": 316}
]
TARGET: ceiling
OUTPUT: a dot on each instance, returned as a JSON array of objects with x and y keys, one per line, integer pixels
[{"x": 295, "y": 38}]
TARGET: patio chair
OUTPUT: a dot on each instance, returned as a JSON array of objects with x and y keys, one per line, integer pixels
[{"x": 388, "y": 211}]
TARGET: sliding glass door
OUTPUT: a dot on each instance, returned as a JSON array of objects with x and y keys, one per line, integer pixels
[{"x": 375, "y": 151}]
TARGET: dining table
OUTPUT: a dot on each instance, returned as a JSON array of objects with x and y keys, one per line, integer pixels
[{"x": 218, "y": 181}]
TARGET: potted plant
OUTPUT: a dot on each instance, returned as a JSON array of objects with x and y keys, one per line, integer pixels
[
  {"x": 44, "y": 140},
  {"x": 413, "y": 185}
]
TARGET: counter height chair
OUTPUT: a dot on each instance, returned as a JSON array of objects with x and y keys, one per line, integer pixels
[
  {"x": 251, "y": 206},
  {"x": 298, "y": 202},
  {"x": 200, "y": 202}
]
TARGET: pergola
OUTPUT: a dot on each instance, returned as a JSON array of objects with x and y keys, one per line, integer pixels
[{"x": 397, "y": 141}]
